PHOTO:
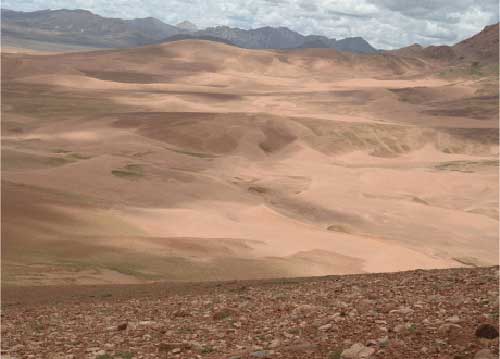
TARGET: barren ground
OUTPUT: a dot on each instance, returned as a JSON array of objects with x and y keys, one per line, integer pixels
[
  {"x": 431, "y": 314},
  {"x": 201, "y": 161}
]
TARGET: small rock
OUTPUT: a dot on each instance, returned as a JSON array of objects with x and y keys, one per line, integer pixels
[
  {"x": 20, "y": 346},
  {"x": 224, "y": 313},
  {"x": 440, "y": 342},
  {"x": 325, "y": 328},
  {"x": 454, "y": 319},
  {"x": 165, "y": 347},
  {"x": 196, "y": 346},
  {"x": 405, "y": 328},
  {"x": 182, "y": 314},
  {"x": 261, "y": 354},
  {"x": 487, "y": 331},
  {"x": 403, "y": 310},
  {"x": 274, "y": 343},
  {"x": 121, "y": 327},
  {"x": 357, "y": 351},
  {"x": 485, "y": 354},
  {"x": 384, "y": 341},
  {"x": 450, "y": 329},
  {"x": 371, "y": 343},
  {"x": 399, "y": 328},
  {"x": 146, "y": 323}
]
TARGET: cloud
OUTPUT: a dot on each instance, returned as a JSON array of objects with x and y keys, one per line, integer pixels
[
  {"x": 425, "y": 8},
  {"x": 308, "y": 6},
  {"x": 384, "y": 23}
]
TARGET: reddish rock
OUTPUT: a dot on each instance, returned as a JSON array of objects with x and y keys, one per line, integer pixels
[
  {"x": 225, "y": 313},
  {"x": 487, "y": 331}
]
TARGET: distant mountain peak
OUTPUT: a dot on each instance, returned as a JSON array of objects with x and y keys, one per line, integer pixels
[
  {"x": 187, "y": 25},
  {"x": 83, "y": 28}
]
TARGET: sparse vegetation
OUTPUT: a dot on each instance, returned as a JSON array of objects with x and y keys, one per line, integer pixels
[
  {"x": 124, "y": 355},
  {"x": 466, "y": 166},
  {"x": 131, "y": 171},
  {"x": 474, "y": 70},
  {"x": 342, "y": 228},
  {"x": 207, "y": 350},
  {"x": 191, "y": 153},
  {"x": 258, "y": 190},
  {"x": 335, "y": 354},
  {"x": 79, "y": 156},
  {"x": 125, "y": 268},
  {"x": 58, "y": 161},
  {"x": 321, "y": 141},
  {"x": 47, "y": 102}
]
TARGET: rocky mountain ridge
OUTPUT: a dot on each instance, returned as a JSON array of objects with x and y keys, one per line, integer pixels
[
  {"x": 481, "y": 47},
  {"x": 83, "y": 28}
]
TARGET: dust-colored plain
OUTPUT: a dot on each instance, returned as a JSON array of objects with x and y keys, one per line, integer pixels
[{"x": 195, "y": 160}]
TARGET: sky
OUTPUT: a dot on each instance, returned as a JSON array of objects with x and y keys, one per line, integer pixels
[{"x": 386, "y": 24}]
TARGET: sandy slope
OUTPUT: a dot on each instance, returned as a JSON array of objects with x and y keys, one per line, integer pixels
[{"x": 197, "y": 160}]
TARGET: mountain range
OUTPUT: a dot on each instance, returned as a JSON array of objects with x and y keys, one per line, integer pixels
[{"x": 85, "y": 29}]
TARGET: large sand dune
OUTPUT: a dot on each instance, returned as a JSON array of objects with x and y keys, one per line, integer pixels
[{"x": 195, "y": 160}]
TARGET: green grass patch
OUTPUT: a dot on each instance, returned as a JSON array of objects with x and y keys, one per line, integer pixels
[
  {"x": 192, "y": 154},
  {"x": 131, "y": 270},
  {"x": 336, "y": 354},
  {"x": 58, "y": 161},
  {"x": 207, "y": 350},
  {"x": 339, "y": 228},
  {"x": 96, "y": 264},
  {"x": 124, "y": 355},
  {"x": 465, "y": 166},
  {"x": 78, "y": 156},
  {"x": 131, "y": 171},
  {"x": 48, "y": 102},
  {"x": 474, "y": 70}
]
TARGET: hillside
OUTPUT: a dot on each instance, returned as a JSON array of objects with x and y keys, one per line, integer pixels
[
  {"x": 195, "y": 160},
  {"x": 227, "y": 193},
  {"x": 422, "y": 314},
  {"x": 482, "y": 47}
]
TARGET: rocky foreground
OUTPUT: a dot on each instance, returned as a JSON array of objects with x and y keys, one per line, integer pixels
[{"x": 419, "y": 314}]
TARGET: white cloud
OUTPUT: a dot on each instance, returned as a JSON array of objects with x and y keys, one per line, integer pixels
[{"x": 384, "y": 23}]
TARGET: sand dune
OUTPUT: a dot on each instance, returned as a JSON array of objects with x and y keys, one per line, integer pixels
[{"x": 195, "y": 160}]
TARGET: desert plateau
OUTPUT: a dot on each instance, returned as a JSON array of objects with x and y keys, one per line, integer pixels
[
  {"x": 197, "y": 160},
  {"x": 175, "y": 192}
]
